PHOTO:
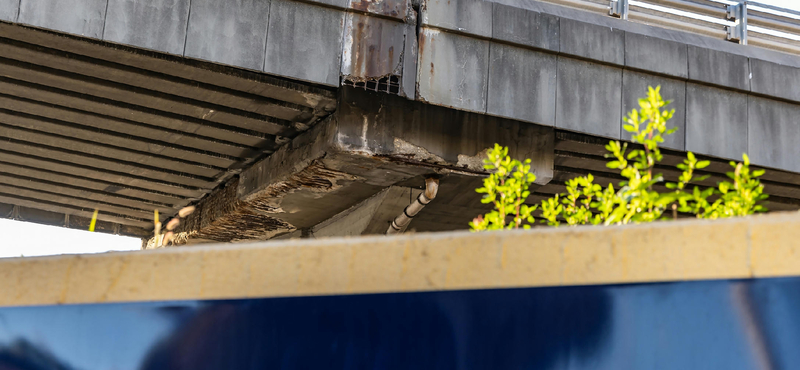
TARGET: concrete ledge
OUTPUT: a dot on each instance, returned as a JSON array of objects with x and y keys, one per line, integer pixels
[{"x": 762, "y": 246}]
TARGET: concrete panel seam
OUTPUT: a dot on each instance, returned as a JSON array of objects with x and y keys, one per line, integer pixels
[
  {"x": 488, "y": 71},
  {"x": 622, "y": 111},
  {"x": 460, "y": 33},
  {"x": 342, "y": 38},
  {"x": 266, "y": 38},
  {"x": 105, "y": 19},
  {"x": 685, "y": 107},
  {"x": 558, "y": 57},
  {"x": 186, "y": 31},
  {"x": 320, "y": 4}
]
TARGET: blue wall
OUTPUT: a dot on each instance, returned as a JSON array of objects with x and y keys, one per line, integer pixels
[{"x": 687, "y": 325}]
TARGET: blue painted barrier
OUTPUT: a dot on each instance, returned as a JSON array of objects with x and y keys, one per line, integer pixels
[{"x": 745, "y": 324}]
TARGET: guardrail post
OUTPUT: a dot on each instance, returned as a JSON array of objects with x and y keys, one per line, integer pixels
[
  {"x": 619, "y": 9},
  {"x": 738, "y": 14}
]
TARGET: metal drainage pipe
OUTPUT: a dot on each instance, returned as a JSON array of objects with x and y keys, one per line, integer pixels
[{"x": 400, "y": 222}]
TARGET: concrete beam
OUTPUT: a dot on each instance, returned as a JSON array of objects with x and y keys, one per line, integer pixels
[
  {"x": 372, "y": 142},
  {"x": 370, "y": 217},
  {"x": 71, "y": 218}
]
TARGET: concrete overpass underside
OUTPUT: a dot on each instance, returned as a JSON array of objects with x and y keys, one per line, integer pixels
[
  {"x": 90, "y": 125},
  {"x": 332, "y": 129}
]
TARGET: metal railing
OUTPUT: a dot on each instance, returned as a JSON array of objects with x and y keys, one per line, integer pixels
[{"x": 744, "y": 22}]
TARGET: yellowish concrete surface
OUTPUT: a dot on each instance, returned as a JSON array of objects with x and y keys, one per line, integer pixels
[{"x": 760, "y": 246}]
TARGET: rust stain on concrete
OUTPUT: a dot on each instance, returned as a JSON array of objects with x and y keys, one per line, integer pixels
[{"x": 390, "y": 8}]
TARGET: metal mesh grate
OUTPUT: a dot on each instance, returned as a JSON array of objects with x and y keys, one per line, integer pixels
[{"x": 388, "y": 84}]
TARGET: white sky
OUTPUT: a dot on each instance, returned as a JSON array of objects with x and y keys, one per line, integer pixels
[
  {"x": 27, "y": 239},
  {"x": 788, "y": 4}
]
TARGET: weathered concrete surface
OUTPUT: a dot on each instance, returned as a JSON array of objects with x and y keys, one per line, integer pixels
[
  {"x": 372, "y": 48},
  {"x": 438, "y": 137},
  {"x": 79, "y": 17},
  {"x": 773, "y": 133},
  {"x": 654, "y": 31},
  {"x": 468, "y": 16},
  {"x": 372, "y": 142},
  {"x": 590, "y": 89},
  {"x": 481, "y": 57},
  {"x": 370, "y": 217},
  {"x": 774, "y": 79},
  {"x": 656, "y": 55},
  {"x": 524, "y": 27},
  {"x": 456, "y": 54},
  {"x": 603, "y": 44},
  {"x": 229, "y": 32},
  {"x": 634, "y": 87},
  {"x": 150, "y": 24},
  {"x": 716, "y": 121},
  {"x": 522, "y": 84},
  {"x": 589, "y": 97},
  {"x": 398, "y": 9},
  {"x": 316, "y": 35},
  {"x": 9, "y": 10},
  {"x": 410, "y": 57},
  {"x": 719, "y": 68},
  {"x": 461, "y": 78},
  {"x": 739, "y": 248},
  {"x": 334, "y": 3},
  {"x": 353, "y": 221}
]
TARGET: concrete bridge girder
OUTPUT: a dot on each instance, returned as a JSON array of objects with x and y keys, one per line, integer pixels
[
  {"x": 373, "y": 142},
  {"x": 514, "y": 59},
  {"x": 174, "y": 129}
]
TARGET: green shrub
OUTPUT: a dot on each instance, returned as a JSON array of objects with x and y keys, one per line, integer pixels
[
  {"x": 636, "y": 200},
  {"x": 506, "y": 188}
]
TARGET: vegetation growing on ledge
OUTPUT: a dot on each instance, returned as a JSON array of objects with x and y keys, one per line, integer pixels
[{"x": 636, "y": 200}]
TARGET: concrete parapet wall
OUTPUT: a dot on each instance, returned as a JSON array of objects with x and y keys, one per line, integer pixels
[
  {"x": 754, "y": 247},
  {"x": 304, "y": 40},
  {"x": 578, "y": 71}
]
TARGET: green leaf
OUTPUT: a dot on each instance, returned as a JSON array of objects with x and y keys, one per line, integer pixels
[
  {"x": 664, "y": 201},
  {"x": 702, "y": 164}
]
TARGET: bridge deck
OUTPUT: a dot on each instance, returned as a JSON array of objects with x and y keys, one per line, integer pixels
[{"x": 117, "y": 109}]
